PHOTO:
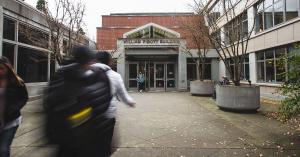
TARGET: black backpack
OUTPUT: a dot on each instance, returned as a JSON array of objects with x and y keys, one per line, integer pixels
[{"x": 75, "y": 102}]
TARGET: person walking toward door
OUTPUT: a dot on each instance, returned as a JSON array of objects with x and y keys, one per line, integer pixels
[{"x": 141, "y": 82}]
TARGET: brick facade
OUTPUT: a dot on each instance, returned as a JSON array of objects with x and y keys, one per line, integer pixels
[{"x": 115, "y": 25}]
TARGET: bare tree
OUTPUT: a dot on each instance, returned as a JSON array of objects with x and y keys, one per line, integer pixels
[
  {"x": 65, "y": 21},
  {"x": 197, "y": 32},
  {"x": 232, "y": 47}
]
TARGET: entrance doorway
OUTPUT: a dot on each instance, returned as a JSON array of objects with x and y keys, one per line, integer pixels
[{"x": 159, "y": 76}]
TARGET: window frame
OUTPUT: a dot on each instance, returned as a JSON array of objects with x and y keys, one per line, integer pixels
[
  {"x": 274, "y": 59},
  {"x": 262, "y": 2}
]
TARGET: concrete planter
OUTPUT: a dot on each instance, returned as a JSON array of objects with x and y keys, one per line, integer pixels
[
  {"x": 198, "y": 87},
  {"x": 240, "y": 98}
]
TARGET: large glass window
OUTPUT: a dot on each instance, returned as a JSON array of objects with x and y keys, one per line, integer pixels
[
  {"x": 215, "y": 13},
  {"x": 292, "y": 8},
  {"x": 8, "y": 51},
  {"x": 270, "y": 66},
  {"x": 9, "y": 29},
  {"x": 33, "y": 36},
  {"x": 278, "y": 11},
  {"x": 268, "y": 13},
  {"x": 192, "y": 69},
  {"x": 32, "y": 65},
  {"x": 274, "y": 12},
  {"x": 237, "y": 28}
]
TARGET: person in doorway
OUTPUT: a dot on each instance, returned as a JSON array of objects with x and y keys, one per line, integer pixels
[
  {"x": 104, "y": 61},
  {"x": 13, "y": 96},
  {"x": 141, "y": 82}
]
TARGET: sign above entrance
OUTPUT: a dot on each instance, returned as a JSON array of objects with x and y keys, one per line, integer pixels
[{"x": 151, "y": 42}]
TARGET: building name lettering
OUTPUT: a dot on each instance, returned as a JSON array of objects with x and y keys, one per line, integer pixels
[{"x": 151, "y": 41}]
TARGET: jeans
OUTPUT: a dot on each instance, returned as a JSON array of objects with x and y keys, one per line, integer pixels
[{"x": 6, "y": 138}]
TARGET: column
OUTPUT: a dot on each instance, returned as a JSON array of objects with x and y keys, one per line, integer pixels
[
  {"x": 121, "y": 66},
  {"x": 215, "y": 69},
  {"x": 182, "y": 69},
  {"x": 1, "y": 27},
  {"x": 253, "y": 67},
  {"x": 222, "y": 69}
]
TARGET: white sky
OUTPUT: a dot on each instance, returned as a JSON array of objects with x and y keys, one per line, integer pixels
[{"x": 96, "y": 8}]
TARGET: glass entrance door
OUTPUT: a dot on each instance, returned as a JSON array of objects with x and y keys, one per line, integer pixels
[
  {"x": 159, "y": 76},
  {"x": 133, "y": 72},
  {"x": 171, "y": 77}
]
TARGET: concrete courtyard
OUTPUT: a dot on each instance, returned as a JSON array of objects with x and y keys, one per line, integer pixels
[{"x": 175, "y": 124}]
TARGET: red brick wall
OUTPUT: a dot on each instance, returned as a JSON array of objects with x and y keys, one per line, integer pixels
[{"x": 113, "y": 27}]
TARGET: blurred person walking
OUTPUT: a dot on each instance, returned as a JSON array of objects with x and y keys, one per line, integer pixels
[
  {"x": 13, "y": 96},
  {"x": 77, "y": 98},
  {"x": 118, "y": 91}
]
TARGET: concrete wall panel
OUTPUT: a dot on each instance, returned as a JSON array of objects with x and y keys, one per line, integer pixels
[
  {"x": 285, "y": 34},
  {"x": 270, "y": 39},
  {"x": 297, "y": 31}
]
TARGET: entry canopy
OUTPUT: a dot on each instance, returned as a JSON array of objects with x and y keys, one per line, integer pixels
[{"x": 151, "y": 30}]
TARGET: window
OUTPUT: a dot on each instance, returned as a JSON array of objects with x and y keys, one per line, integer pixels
[
  {"x": 270, "y": 66},
  {"x": 273, "y": 12},
  {"x": 215, "y": 13},
  {"x": 245, "y": 69},
  {"x": 268, "y": 13},
  {"x": 278, "y": 11},
  {"x": 244, "y": 75},
  {"x": 33, "y": 36},
  {"x": 8, "y": 51},
  {"x": 237, "y": 28},
  {"x": 8, "y": 29},
  {"x": 259, "y": 18},
  {"x": 32, "y": 65},
  {"x": 192, "y": 69},
  {"x": 292, "y": 7}
]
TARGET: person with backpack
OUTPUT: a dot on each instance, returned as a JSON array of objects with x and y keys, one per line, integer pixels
[
  {"x": 76, "y": 101},
  {"x": 118, "y": 89},
  {"x": 13, "y": 96}
]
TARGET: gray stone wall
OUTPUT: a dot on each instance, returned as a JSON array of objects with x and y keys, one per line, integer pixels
[{"x": 182, "y": 73}]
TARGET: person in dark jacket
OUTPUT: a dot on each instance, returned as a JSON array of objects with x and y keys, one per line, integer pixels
[
  {"x": 93, "y": 93},
  {"x": 13, "y": 96}
]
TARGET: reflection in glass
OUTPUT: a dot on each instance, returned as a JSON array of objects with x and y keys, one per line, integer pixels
[
  {"x": 292, "y": 7},
  {"x": 133, "y": 71},
  {"x": 8, "y": 29},
  {"x": 270, "y": 73},
  {"x": 132, "y": 83},
  {"x": 171, "y": 83},
  {"x": 160, "y": 83},
  {"x": 269, "y": 54},
  {"x": 280, "y": 71},
  {"x": 170, "y": 70},
  {"x": 191, "y": 72},
  {"x": 259, "y": 22},
  {"x": 151, "y": 75},
  {"x": 32, "y": 65},
  {"x": 278, "y": 11},
  {"x": 260, "y": 71},
  {"x": 207, "y": 72},
  {"x": 8, "y": 51},
  {"x": 268, "y": 13},
  {"x": 160, "y": 71}
]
